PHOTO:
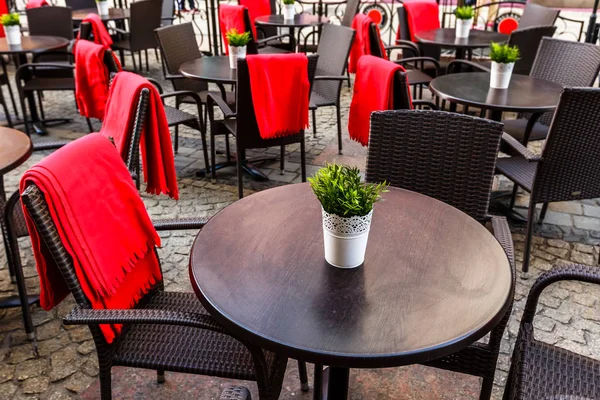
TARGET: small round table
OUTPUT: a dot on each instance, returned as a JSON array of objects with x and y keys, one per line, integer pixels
[
  {"x": 300, "y": 21},
  {"x": 446, "y": 38},
  {"x": 114, "y": 14},
  {"x": 524, "y": 94},
  {"x": 434, "y": 281},
  {"x": 15, "y": 149}
]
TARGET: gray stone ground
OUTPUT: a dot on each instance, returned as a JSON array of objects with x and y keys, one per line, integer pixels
[{"x": 568, "y": 315}]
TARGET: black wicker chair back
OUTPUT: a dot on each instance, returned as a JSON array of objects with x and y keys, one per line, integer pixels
[
  {"x": 447, "y": 156},
  {"x": 145, "y": 18},
  {"x": 375, "y": 42},
  {"x": 401, "y": 92},
  {"x": 350, "y": 12},
  {"x": 80, "y": 4},
  {"x": 85, "y": 31},
  {"x": 167, "y": 12},
  {"x": 426, "y": 50},
  {"x": 528, "y": 41},
  {"x": 50, "y": 21},
  {"x": 251, "y": 46},
  {"x": 333, "y": 50},
  {"x": 569, "y": 167},
  {"x": 536, "y": 15},
  {"x": 177, "y": 45}
]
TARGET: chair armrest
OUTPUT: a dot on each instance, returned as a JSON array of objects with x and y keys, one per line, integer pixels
[
  {"x": 180, "y": 224},
  {"x": 501, "y": 232},
  {"x": 455, "y": 64},
  {"x": 157, "y": 84},
  {"x": 214, "y": 99},
  {"x": 270, "y": 38},
  {"x": 119, "y": 30},
  {"x": 65, "y": 53},
  {"x": 415, "y": 52},
  {"x": 517, "y": 146},
  {"x": 330, "y": 78},
  {"x": 408, "y": 43},
  {"x": 54, "y": 145},
  {"x": 423, "y": 60},
  {"x": 174, "y": 76},
  {"x": 88, "y": 316},
  {"x": 236, "y": 393},
  {"x": 425, "y": 103},
  {"x": 309, "y": 34},
  {"x": 31, "y": 66}
]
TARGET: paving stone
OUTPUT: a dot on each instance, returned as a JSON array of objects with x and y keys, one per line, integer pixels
[
  {"x": 78, "y": 382},
  {"x": 35, "y": 385},
  {"x": 31, "y": 369},
  {"x": 568, "y": 207},
  {"x": 592, "y": 211},
  {"x": 86, "y": 348},
  {"x": 64, "y": 363},
  {"x": 557, "y": 218},
  {"x": 584, "y": 222},
  {"x": 7, "y": 372}
]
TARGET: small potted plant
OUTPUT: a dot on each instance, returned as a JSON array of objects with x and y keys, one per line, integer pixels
[
  {"x": 12, "y": 28},
  {"x": 237, "y": 45},
  {"x": 464, "y": 21},
  {"x": 503, "y": 58},
  {"x": 347, "y": 209},
  {"x": 103, "y": 7},
  {"x": 289, "y": 9}
]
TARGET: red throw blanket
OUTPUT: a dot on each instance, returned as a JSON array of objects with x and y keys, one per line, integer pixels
[
  {"x": 362, "y": 43},
  {"x": 157, "y": 151},
  {"x": 36, "y": 4},
  {"x": 422, "y": 15},
  {"x": 373, "y": 91},
  {"x": 231, "y": 17},
  {"x": 280, "y": 93},
  {"x": 91, "y": 79},
  {"x": 256, "y": 8},
  {"x": 101, "y": 35},
  {"x": 102, "y": 223}
]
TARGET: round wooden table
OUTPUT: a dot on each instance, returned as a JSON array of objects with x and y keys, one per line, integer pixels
[
  {"x": 524, "y": 94},
  {"x": 434, "y": 281},
  {"x": 33, "y": 44},
  {"x": 445, "y": 37},
  {"x": 210, "y": 69},
  {"x": 114, "y": 14},
  {"x": 300, "y": 21}
]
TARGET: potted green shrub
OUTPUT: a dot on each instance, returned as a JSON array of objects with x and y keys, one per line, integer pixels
[
  {"x": 503, "y": 58},
  {"x": 12, "y": 28},
  {"x": 103, "y": 7},
  {"x": 347, "y": 209},
  {"x": 464, "y": 21},
  {"x": 237, "y": 45},
  {"x": 289, "y": 9}
]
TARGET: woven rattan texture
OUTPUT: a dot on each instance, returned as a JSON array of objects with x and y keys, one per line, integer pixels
[{"x": 236, "y": 393}]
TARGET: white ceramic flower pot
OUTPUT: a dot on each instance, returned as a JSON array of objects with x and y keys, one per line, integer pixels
[
  {"x": 103, "y": 7},
  {"x": 289, "y": 11},
  {"x": 500, "y": 75},
  {"x": 236, "y": 52},
  {"x": 463, "y": 27},
  {"x": 13, "y": 35},
  {"x": 345, "y": 239}
]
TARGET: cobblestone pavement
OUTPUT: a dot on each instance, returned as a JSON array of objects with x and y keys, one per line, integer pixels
[{"x": 568, "y": 314}]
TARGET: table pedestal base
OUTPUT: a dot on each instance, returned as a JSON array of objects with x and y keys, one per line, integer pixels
[
  {"x": 335, "y": 383},
  {"x": 247, "y": 165}
]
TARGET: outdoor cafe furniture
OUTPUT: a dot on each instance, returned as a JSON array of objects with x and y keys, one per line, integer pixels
[
  {"x": 568, "y": 167},
  {"x": 300, "y": 21},
  {"x": 114, "y": 14},
  {"x": 349, "y": 12},
  {"x": 446, "y": 38}
]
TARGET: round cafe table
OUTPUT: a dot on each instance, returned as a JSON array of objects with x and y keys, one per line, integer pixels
[
  {"x": 446, "y": 38},
  {"x": 114, "y": 14},
  {"x": 300, "y": 21},
  {"x": 434, "y": 281}
]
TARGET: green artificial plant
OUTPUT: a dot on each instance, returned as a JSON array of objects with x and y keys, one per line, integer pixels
[
  {"x": 10, "y": 19},
  {"x": 504, "y": 53},
  {"x": 464, "y": 12},
  {"x": 236, "y": 39}
]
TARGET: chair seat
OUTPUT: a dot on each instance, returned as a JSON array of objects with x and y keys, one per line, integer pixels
[
  {"x": 320, "y": 101},
  {"x": 272, "y": 50},
  {"x": 176, "y": 116},
  {"x": 183, "y": 349},
  {"x": 518, "y": 170},
  {"x": 42, "y": 84},
  {"x": 417, "y": 77},
  {"x": 516, "y": 129}
]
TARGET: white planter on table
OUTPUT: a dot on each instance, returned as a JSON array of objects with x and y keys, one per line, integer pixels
[
  {"x": 103, "y": 7},
  {"x": 500, "y": 75},
  {"x": 13, "y": 35},
  {"x": 463, "y": 27},
  {"x": 345, "y": 239},
  {"x": 289, "y": 11},
  {"x": 236, "y": 52}
]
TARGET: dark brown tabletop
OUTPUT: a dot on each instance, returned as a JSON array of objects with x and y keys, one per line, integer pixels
[
  {"x": 434, "y": 280},
  {"x": 33, "y": 44},
  {"x": 114, "y": 14},
  {"x": 210, "y": 69},
  {"x": 447, "y": 38},
  {"x": 300, "y": 20},
  {"x": 524, "y": 94},
  {"x": 15, "y": 149}
]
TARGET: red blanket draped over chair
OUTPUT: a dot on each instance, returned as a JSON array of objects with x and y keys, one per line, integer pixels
[
  {"x": 103, "y": 224},
  {"x": 36, "y": 4},
  {"x": 373, "y": 91},
  {"x": 362, "y": 43},
  {"x": 280, "y": 93},
  {"x": 231, "y": 17},
  {"x": 256, "y": 8},
  {"x": 157, "y": 151},
  {"x": 91, "y": 79},
  {"x": 101, "y": 35},
  {"x": 422, "y": 15}
]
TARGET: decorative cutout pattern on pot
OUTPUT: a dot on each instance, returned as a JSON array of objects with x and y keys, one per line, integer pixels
[{"x": 347, "y": 227}]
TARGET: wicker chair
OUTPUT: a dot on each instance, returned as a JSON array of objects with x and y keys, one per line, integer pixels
[
  {"x": 450, "y": 157},
  {"x": 333, "y": 51},
  {"x": 349, "y": 13},
  {"x": 190, "y": 340},
  {"x": 543, "y": 371},
  {"x": 269, "y": 33},
  {"x": 244, "y": 118},
  {"x": 568, "y": 168},
  {"x": 236, "y": 393},
  {"x": 80, "y": 4},
  {"x": 145, "y": 18},
  {"x": 536, "y": 15}
]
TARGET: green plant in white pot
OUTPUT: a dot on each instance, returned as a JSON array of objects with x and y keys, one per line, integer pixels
[
  {"x": 347, "y": 209},
  {"x": 503, "y": 58},
  {"x": 237, "y": 45},
  {"x": 12, "y": 28},
  {"x": 103, "y": 7},
  {"x": 289, "y": 9},
  {"x": 464, "y": 21}
]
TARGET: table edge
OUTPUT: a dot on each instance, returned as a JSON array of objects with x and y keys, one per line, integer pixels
[
  {"x": 215, "y": 80},
  {"x": 19, "y": 161},
  {"x": 454, "y": 45}
]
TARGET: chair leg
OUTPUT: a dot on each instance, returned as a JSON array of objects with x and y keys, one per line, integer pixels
[
  {"x": 528, "y": 238},
  {"x": 10, "y": 91},
  {"x": 134, "y": 62},
  {"x": 213, "y": 154},
  {"x": 339, "y": 127},
  {"x": 543, "y": 213},
  {"x": 147, "y": 63},
  {"x": 240, "y": 173},
  {"x": 160, "y": 376},
  {"x": 176, "y": 139},
  {"x": 513, "y": 197},
  {"x": 303, "y": 376},
  {"x": 204, "y": 147},
  {"x": 348, "y": 75},
  {"x": 157, "y": 55},
  {"x": 303, "y": 159},
  {"x": 122, "y": 58},
  {"x": 25, "y": 122},
  {"x": 89, "y": 124},
  {"x": 105, "y": 382},
  {"x": 227, "y": 151},
  {"x": 314, "y": 123},
  {"x": 318, "y": 382},
  {"x": 486, "y": 389},
  {"x": 41, "y": 105},
  {"x": 282, "y": 161},
  {"x": 5, "y": 108}
]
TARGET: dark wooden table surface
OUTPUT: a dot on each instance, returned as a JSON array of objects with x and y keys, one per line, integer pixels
[
  {"x": 33, "y": 44},
  {"x": 300, "y": 21},
  {"x": 524, "y": 94},
  {"x": 210, "y": 69},
  {"x": 114, "y": 14},
  {"x": 446, "y": 38},
  {"x": 434, "y": 281}
]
